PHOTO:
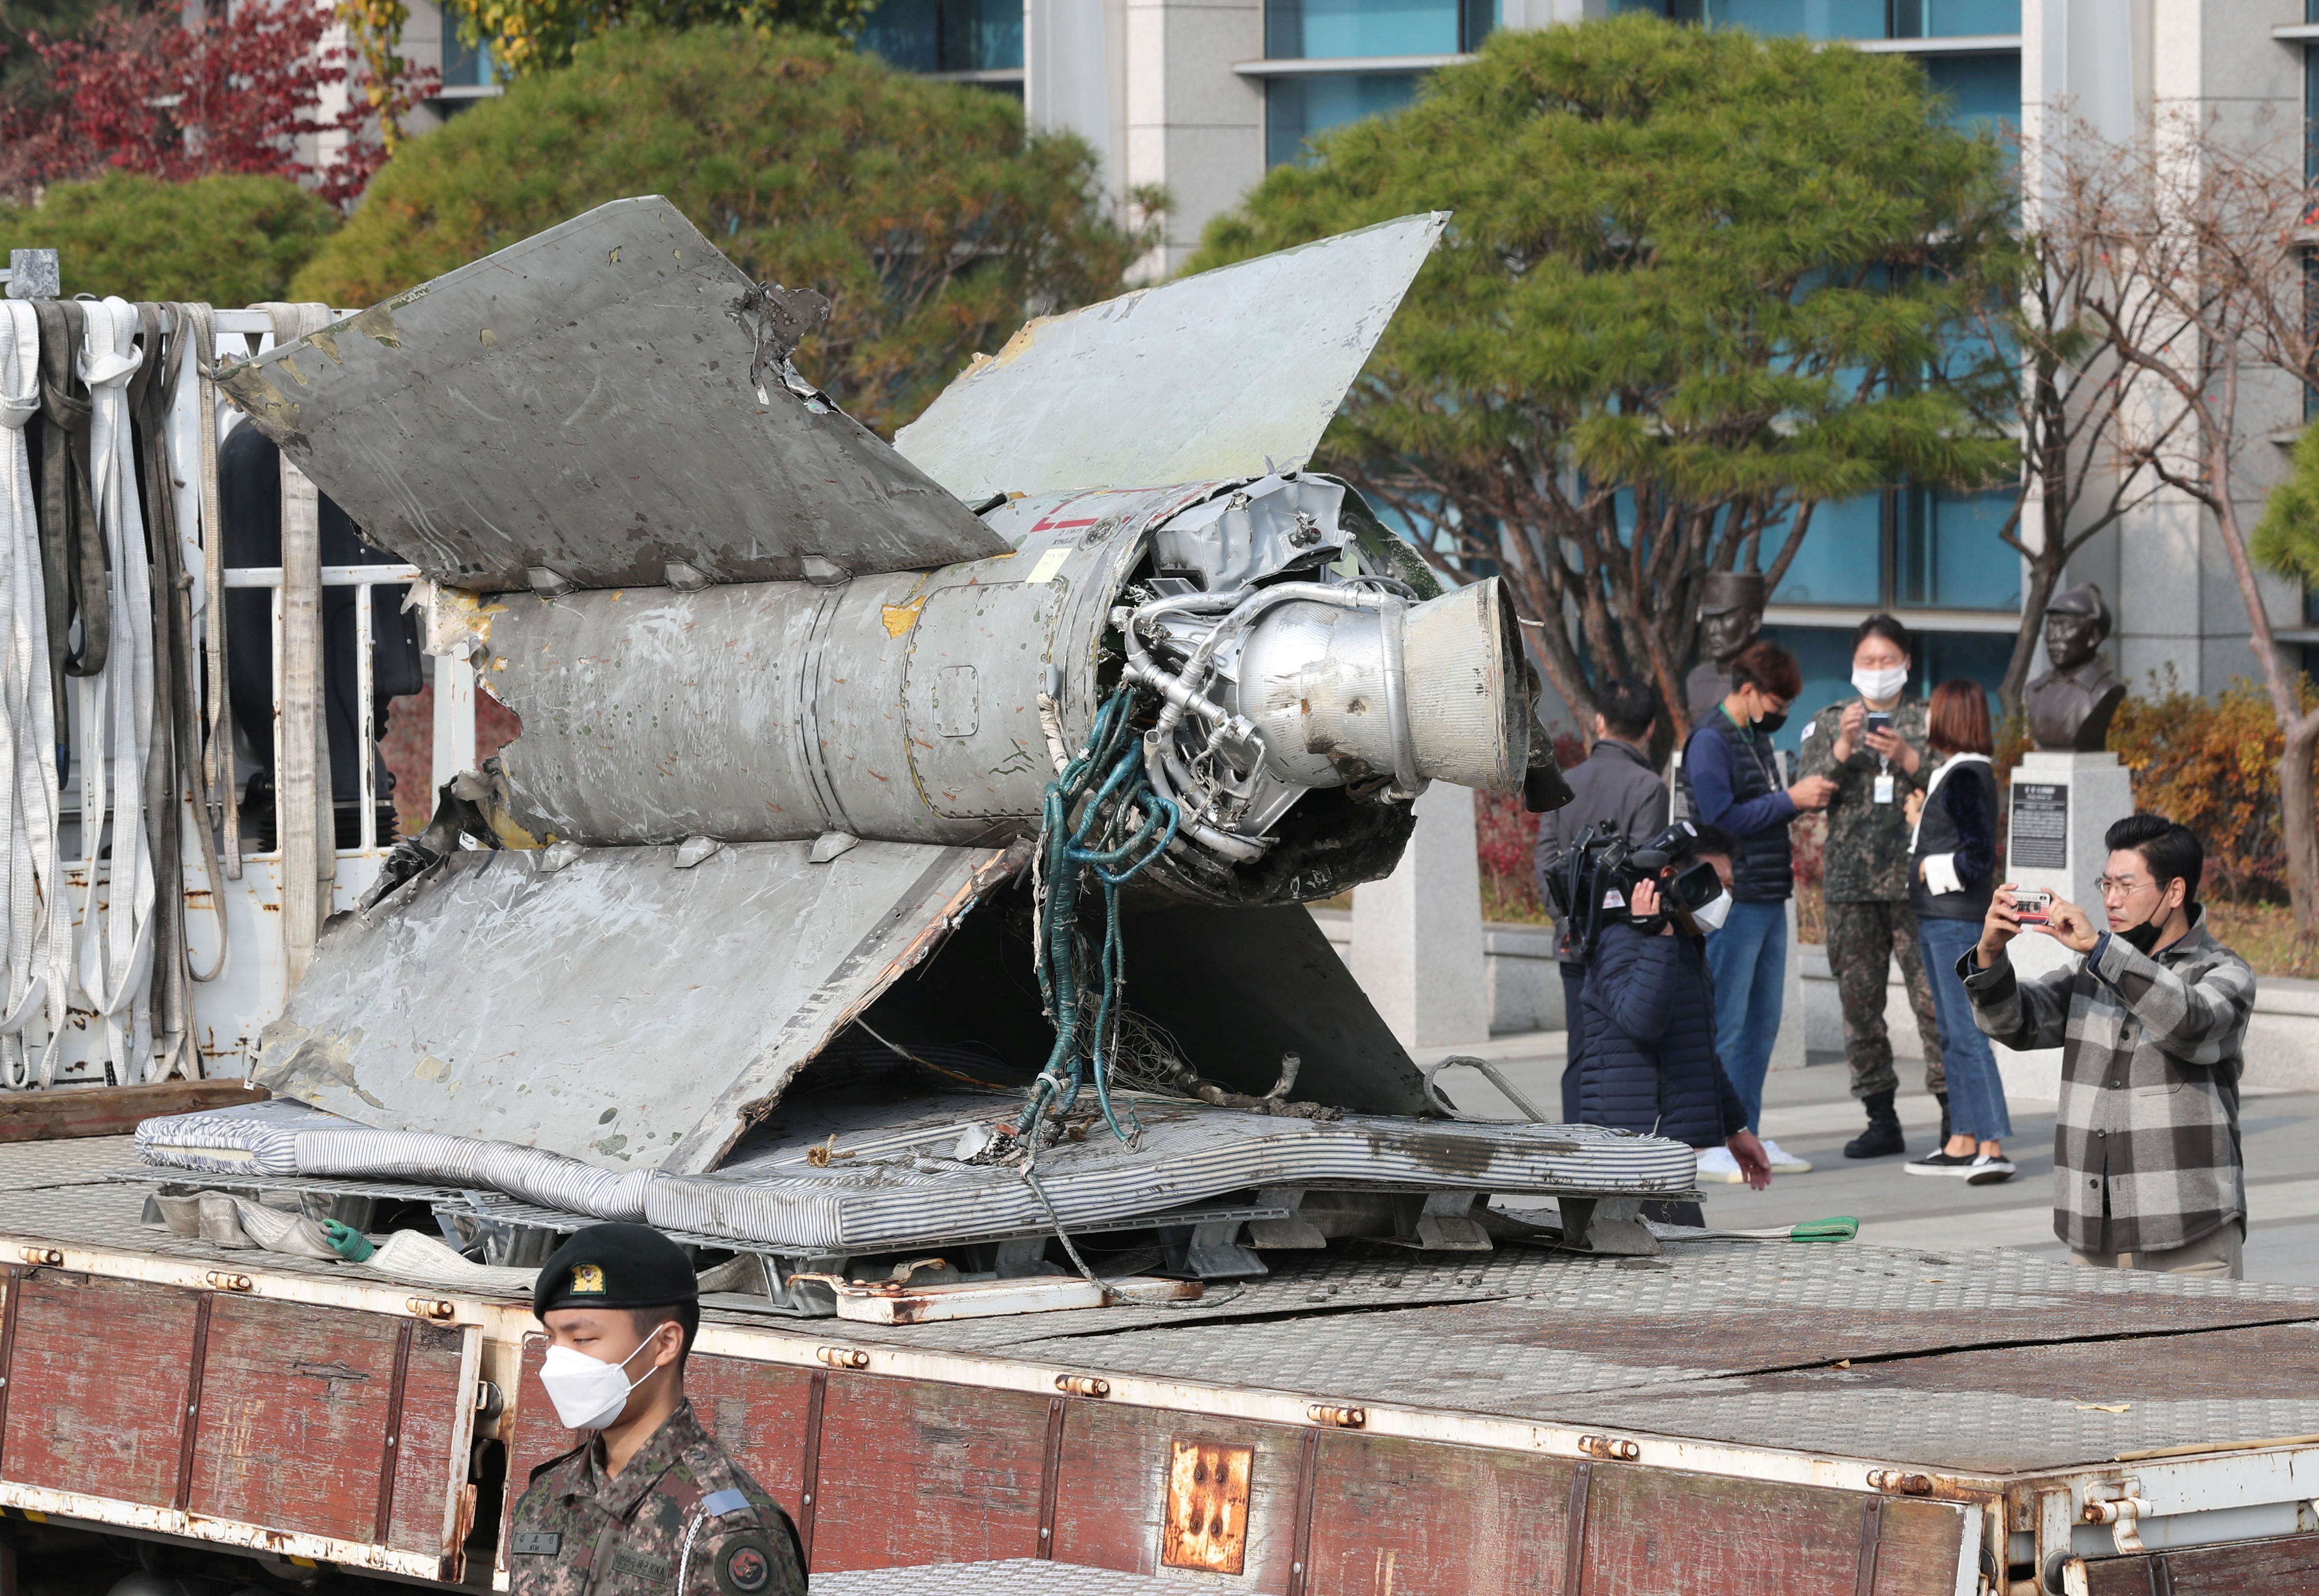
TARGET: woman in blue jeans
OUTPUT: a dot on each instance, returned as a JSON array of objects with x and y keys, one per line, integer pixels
[{"x": 1952, "y": 873}]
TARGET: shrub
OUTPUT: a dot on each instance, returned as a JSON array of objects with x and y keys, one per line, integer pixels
[
  {"x": 229, "y": 238},
  {"x": 921, "y": 209},
  {"x": 2212, "y": 763}
]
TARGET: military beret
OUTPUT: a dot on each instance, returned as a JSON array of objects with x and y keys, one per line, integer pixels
[{"x": 615, "y": 1267}]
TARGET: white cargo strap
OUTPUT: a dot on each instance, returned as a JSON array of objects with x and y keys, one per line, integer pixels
[
  {"x": 116, "y": 715},
  {"x": 40, "y": 935},
  {"x": 218, "y": 767},
  {"x": 304, "y": 818}
]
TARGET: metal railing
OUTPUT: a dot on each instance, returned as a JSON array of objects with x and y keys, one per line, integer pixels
[{"x": 364, "y": 578}]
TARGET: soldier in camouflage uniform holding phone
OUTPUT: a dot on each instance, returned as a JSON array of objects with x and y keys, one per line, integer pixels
[{"x": 1876, "y": 764}]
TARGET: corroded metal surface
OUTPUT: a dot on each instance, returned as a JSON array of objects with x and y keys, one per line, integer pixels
[
  {"x": 1207, "y": 1522},
  {"x": 1235, "y": 372},
  {"x": 620, "y": 1010},
  {"x": 597, "y": 401}
]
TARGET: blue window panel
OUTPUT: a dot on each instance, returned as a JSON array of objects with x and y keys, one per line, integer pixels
[
  {"x": 1954, "y": 19},
  {"x": 1814, "y": 19},
  {"x": 464, "y": 65},
  {"x": 1842, "y": 560},
  {"x": 1824, "y": 659},
  {"x": 1971, "y": 656},
  {"x": 1297, "y": 108},
  {"x": 946, "y": 35},
  {"x": 1949, "y": 553},
  {"x": 1332, "y": 29},
  {"x": 1982, "y": 90}
]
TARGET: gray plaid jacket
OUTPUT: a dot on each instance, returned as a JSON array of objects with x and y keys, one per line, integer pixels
[{"x": 2146, "y": 1147}]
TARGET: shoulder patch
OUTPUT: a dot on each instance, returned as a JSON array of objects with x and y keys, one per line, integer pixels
[
  {"x": 718, "y": 1503},
  {"x": 1810, "y": 727},
  {"x": 744, "y": 1566}
]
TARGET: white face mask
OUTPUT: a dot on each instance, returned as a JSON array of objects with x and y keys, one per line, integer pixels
[
  {"x": 1881, "y": 687},
  {"x": 1710, "y": 915},
  {"x": 587, "y": 1393}
]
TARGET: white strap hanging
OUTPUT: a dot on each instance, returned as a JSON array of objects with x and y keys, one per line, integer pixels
[
  {"x": 33, "y": 905},
  {"x": 116, "y": 717}
]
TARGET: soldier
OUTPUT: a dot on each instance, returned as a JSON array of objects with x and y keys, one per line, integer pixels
[
  {"x": 649, "y": 1501},
  {"x": 1876, "y": 764}
]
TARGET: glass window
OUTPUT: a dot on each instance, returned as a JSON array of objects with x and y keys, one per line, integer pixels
[
  {"x": 1842, "y": 560},
  {"x": 1982, "y": 90},
  {"x": 464, "y": 65},
  {"x": 1814, "y": 19},
  {"x": 1954, "y": 19},
  {"x": 946, "y": 35},
  {"x": 1297, "y": 108},
  {"x": 1949, "y": 554},
  {"x": 1330, "y": 30},
  {"x": 1975, "y": 657}
]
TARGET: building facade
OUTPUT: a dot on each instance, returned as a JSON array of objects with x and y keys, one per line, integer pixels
[{"x": 1201, "y": 97}]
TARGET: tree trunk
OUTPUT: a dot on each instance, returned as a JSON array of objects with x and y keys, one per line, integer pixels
[
  {"x": 2044, "y": 575},
  {"x": 2298, "y": 819}
]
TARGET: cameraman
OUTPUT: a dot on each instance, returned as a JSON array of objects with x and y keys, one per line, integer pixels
[
  {"x": 1615, "y": 783},
  {"x": 1648, "y": 1062}
]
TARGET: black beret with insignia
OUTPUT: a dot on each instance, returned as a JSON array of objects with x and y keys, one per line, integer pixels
[{"x": 615, "y": 1267}]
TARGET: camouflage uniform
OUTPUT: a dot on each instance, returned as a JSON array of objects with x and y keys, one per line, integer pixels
[
  {"x": 1865, "y": 882},
  {"x": 681, "y": 1518}
]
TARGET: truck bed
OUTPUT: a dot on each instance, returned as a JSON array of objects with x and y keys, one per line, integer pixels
[{"x": 1731, "y": 1417}]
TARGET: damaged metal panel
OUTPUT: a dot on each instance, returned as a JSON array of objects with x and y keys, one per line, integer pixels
[
  {"x": 1235, "y": 372},
  {"x": 602, "y": 401},
  {"x": 620, "y": 1010},
  {"x": 1237, "y": 988}
]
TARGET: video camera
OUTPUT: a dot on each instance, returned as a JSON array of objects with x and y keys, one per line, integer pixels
[{"x": 1592, "y": 881}]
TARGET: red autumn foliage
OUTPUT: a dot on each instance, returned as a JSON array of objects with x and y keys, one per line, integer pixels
[{"x": 154, "y": 95}]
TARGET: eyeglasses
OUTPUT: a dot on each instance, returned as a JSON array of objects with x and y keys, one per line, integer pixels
[{"x": 2120, "y": 887}]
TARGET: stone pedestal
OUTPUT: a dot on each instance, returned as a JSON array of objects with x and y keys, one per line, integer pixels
[
  {"x": 2060, "y": 807},
  {"x": 1417, "y": 934}
]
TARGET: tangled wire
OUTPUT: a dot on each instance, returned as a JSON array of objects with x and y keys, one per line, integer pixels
[{"x": 1101, "y": 819}]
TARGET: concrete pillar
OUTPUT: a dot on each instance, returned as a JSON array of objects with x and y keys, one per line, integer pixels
[
  {"x": 1417, "y": 934},
  {"x": 2061, "y": 804}
]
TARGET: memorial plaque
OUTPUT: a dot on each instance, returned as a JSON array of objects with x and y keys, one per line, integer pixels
[{"x": 2041, "y": 826}]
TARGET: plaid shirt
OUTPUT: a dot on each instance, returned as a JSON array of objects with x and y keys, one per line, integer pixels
[{"x": 2146, "y": 1147}]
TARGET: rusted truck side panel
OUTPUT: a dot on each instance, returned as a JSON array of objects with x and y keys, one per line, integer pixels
[
  {"x": 274, "y": 1425},
  {"x": 904, "y": 1471}
]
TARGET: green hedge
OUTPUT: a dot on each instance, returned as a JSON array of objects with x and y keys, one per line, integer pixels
[{"x": 231, "y": 239}]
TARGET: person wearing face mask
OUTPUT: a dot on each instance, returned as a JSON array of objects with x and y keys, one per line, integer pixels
[
  {"x": 1648, "y": 1008},
  {"x": 1732, "y": 783},
  {"x": 2152, "y": 1024},
  {"x": 1876, "y": 764},
  {"x": 647, "y": 1501}
]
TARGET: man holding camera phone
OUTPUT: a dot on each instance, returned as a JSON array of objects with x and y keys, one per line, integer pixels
[
  {"x": 1649, "y": 1061},
  {"x": 2152, "y": 1024}
]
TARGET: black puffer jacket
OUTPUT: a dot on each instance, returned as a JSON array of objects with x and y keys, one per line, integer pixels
[{"x": 1648, "y": 1060}]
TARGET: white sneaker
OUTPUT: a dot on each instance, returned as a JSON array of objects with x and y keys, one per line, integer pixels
[
  {"x": 1717, "y": 1166},
  {"x": 1781, "y": 1161}
]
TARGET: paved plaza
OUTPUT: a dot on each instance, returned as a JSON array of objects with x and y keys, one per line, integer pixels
[{"x": 1810, "y": 1112}]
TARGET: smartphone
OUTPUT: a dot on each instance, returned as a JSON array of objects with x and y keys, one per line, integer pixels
[
  {"x": 2030, "y": 905},
  {"x": 1879, "y": 721}
]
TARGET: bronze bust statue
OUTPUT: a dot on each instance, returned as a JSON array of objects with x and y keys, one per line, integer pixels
[
  {"x": 1730, "y": 615},
  {"x": 2071, "y": 707}
]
